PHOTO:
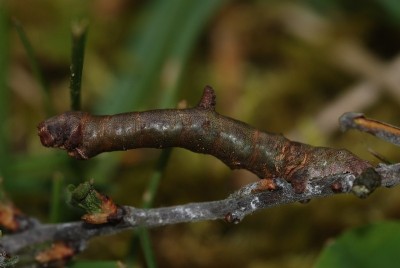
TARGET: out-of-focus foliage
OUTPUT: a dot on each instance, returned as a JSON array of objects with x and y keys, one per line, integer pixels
[
  {"x": 97, "y": 264},
  {"x": 374, "y": 245},
  {"x": 4, "y": 92},
  {"x": 283, "y": 66}
]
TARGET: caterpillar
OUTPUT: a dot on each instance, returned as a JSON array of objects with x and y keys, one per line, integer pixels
[{"x": 202, "y": 130}]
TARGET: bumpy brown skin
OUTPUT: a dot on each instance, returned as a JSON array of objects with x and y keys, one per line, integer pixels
[{"x": 200, "y": 130}]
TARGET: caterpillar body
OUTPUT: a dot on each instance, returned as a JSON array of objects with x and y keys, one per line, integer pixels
[{"x": 202, "y": 130}]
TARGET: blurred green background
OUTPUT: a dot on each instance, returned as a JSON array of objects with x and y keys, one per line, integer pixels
[{"x": 291, "y": 67}]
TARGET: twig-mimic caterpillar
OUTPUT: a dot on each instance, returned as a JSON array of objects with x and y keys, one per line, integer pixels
[{"x": 202, "y": 130}]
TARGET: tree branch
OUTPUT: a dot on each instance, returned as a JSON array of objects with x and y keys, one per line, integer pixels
[
  {"x": 232, "y": 209},
  {"x": 290, "y": 171}
]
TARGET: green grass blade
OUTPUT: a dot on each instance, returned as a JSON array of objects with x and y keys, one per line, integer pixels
[
  {"x": 155, "y": 178},
  {"x": 148, "y": 201},
  {"x": 146, "y": 53},
  {"x": 147, "y": 50},
  {"x": 79, "y": 34},
  {"x": 179, "y": 54},
  {"x": 56, "y": 198},
  {"x": 145, "y": 242},
  {"x": 184, "y": 40}
]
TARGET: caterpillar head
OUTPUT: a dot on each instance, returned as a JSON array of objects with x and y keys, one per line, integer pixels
[{"x": 63, "y": 131}]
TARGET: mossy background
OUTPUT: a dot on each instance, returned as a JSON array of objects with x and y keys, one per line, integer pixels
[{"x": 291, "y": 67}]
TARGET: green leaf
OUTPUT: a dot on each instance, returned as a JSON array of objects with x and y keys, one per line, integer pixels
[{"x": 375, "y": 245}]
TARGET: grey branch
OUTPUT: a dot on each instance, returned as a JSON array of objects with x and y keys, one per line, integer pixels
[{"x": 233, "y": 209}]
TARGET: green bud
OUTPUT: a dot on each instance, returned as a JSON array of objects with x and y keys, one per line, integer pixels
[{"x": 85, "y": 197}]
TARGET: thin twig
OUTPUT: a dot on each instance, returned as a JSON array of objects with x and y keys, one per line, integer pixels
[
  {"x": 232, "y": 209},
  {"x": 379, "y": 129}
]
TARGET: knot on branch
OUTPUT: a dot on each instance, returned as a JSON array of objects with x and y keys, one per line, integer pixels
[
  {"x": 207, "y": 101},
  {"x": 366, "y": 183}
]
